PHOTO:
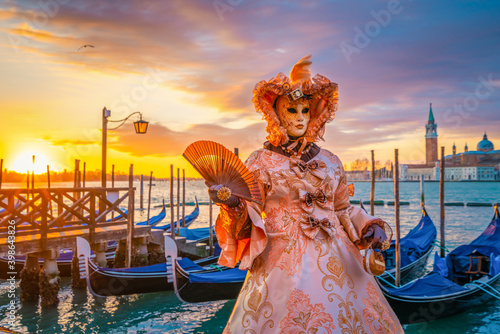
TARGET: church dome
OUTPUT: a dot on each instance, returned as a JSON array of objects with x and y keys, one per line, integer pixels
[{"x": 485, "y": 145}]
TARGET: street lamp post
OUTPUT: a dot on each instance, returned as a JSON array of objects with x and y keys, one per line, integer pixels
[{"x": 141, "y": 127}]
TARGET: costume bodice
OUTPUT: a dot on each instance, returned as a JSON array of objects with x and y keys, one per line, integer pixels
[{"x": 297, "y": 194}]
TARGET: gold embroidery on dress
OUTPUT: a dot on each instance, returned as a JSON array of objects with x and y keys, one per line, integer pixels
[
  {"x": 376, "y": 311},
  {"x": 287, "y": 250},
  {"x": 254, "y": 301},
  {"x": 285, "y": 177},
  {"x": 287, "y": 218},
  {"x": 305, "y": 317},
  {"x": 335, "y": 269},
  {"x": 350, "y": 322}
]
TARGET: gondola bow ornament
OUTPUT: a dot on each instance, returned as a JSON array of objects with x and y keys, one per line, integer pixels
[{"x": 219, "y": 166}]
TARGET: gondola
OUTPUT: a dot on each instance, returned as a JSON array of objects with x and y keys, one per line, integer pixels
[
  {"x": 104, "y": 282},
  {"x": 189, "y": 219},
  {"x": 205, "y": 285},
  {"x": 63, "y": 262},
  {"x": 416, "y": 247},
  {"x": 66, "y": 255},
  {"x": 464, "y": 278}
]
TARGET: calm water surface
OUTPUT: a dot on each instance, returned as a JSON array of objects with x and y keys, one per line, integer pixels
[{"x": 80, "y": 312}]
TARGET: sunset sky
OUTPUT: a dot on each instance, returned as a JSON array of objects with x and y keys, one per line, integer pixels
[{"x": 190, "y": 67}]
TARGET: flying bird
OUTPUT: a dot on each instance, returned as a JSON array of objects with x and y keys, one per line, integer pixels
[{"x": 85, "y": 46}]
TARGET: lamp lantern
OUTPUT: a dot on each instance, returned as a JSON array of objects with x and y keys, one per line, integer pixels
[{"x": 141, "y": 127}]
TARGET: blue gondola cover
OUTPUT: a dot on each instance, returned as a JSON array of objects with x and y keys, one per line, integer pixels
[
  {"x": 414, "y": 244},
  {"x": 195, "y": 233},
  {"x": 440, "y": 266},
  {"x": 421, "y": 236},
  {"x": 490, "y": 236},
  {"x": 431, "y": 285},
  {"x": 226, "y": 276}
]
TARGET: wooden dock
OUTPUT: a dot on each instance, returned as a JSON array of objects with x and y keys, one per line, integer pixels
[{"x": 50, "y": 219}]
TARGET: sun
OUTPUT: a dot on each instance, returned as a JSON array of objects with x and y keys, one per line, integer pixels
[{"x": 32, "y": 161}]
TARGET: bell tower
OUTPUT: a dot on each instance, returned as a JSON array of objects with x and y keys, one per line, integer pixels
[{"x": 431, "y": 145}]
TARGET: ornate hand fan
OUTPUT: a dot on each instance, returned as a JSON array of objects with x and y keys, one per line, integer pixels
[{"x": 217, "y": 165}]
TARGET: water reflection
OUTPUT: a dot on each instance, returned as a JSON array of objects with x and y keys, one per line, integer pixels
[{"x": 80, "y": 312}]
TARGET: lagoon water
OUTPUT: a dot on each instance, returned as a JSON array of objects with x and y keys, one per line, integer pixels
[{"x": 80, "y": 312}]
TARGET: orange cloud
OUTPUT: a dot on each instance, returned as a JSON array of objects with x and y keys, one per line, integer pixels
[{"x": 161, "y": 141}]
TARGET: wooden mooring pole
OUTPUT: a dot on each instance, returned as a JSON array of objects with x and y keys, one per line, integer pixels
[
  {"x": 84, "y": 174},
  {"x": 112, "y": 176},
  {"x": 149, "y": 195},
  {"x": 372, "y": 192},
  {"x": 48, "y": 186},
  {"x": 112, "y": 186},
  {"x": 183, "y": 198},
  {"x": 75, "y": 176},
  {"x": 76, "y": 183},
  {"x": 396, "y": 217},
  {"x": 141, "y": 201},
  {"x": 130, "y": 215},
  {"x": 172, "y": 229},
  {"x": 211, "y": 224},
  {"x": 441, "y": 202},
  {"x": 48, "y": 177},
  {"x": 422, "y": 194},
  {"x": 178, "y": 202}
]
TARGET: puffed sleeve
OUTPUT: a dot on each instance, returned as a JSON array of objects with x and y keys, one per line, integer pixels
[
  {"x": 355, "y": 220},
  {"x": 251, "y": 240}
]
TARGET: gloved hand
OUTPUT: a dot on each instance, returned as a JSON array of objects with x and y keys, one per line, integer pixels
[
  {"x": 231, "y": 202},
  {"x": 376, "y": 235}
]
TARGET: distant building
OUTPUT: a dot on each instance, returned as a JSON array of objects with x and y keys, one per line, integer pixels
[
  {"x": 431, "y": 139},
  {"x": 482, "y": 164},
  {"x": 358, "y": 175}
]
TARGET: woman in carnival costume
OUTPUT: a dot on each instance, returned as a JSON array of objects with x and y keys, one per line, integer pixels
[{"x": 302, "y": 246}]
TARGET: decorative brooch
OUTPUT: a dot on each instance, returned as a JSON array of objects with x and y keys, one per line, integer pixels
[{"x": 224, "y": 193}]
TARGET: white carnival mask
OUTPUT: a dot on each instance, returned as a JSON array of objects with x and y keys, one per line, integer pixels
[{"x": 294, "y": 116}]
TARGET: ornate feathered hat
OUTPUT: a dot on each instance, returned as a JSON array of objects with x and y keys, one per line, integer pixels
[{"x": 322, "y": 92}]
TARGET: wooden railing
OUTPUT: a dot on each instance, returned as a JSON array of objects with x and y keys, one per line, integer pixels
[{"x": 43, "y": 211}]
